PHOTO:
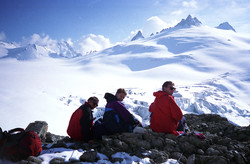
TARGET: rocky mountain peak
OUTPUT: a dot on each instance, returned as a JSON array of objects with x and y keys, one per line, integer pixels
[
  {"x": 225, "y": 26},
  {"x": 188, "y": 22},
  {"x": 138, "y": 36},
  {"x": 184, "y": 23}
]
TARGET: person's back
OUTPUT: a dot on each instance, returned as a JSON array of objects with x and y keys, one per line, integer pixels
[
  {"x": 117, "y": 118},
  {"x": 166, "y": 114}
]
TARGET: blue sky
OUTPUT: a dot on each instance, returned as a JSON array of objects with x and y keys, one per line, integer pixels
[{"x": 115, "y": 20}]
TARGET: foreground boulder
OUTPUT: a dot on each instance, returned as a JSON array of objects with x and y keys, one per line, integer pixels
[{"x": 223, "y": 143}]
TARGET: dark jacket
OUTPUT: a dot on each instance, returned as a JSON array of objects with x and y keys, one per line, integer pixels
[
  {"x": 116, "y": 117},
  {"x": 81, "y": 123}
]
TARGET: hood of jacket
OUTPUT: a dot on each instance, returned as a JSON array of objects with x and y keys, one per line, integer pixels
[
  {"x": 161, "y": 93},
  {"x": 110, "y": 97}
]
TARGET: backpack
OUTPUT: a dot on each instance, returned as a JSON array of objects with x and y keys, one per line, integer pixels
[{"x": 17, "y": 144}]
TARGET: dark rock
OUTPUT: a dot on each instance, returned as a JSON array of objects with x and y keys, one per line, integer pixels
[
  {"x": 89, "y": 156},
  {"x": 157, "y": 142},
  {"x": 211, "y": 160},
  {"x": 34, "y": 159},
  {"x": 114, "y": 160},
  {"x": 31, "y": 160},
  {"x": 191, "y": 159},
  {"x": 52, "y": 138},
  {"x": 212, "y": 151},
  {"x": 179, "y": 156},
  {"x": 188, "y": 148},
  {"x": 26, "y": 162},
  {"x": 74, "y": 160},
  {"x": 158, "y": 156},
  {"x": 56, "y": 160},
  {"x": 238, "y": 158},
  {"x": 170, "y": 142},
  {"x": 200, "y": 151}
]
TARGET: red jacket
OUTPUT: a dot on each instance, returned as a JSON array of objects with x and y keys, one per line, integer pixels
[
  {"x": 166, "y": 114},
  {"x": 81, "y": 123}
]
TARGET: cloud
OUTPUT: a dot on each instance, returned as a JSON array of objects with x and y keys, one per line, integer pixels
[
  {"x": 91, "y": 42},
  {"x": 2, "y": 36},
  {"x": 190, "y": 4},
  {"x": 152, "y": 25},
  {"x": 85, "y": 44},
  {"x": 43, "y": 40},
  {"x": 177, "y": 12}
]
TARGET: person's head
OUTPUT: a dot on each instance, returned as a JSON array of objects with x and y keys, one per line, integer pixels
[
  {"x": 168, "y": 87},
  {"x": 93, "y": 102},
  {"x": 120, "y": 94}
]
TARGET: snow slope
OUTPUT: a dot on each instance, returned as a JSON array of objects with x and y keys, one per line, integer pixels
[{"x": 209, "y": 66}]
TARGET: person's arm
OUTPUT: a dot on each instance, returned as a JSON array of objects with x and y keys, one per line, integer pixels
[
  {"x": 123, "y": 112},
  {"x": 151, "y": 107},
  {"x": 175, "y": 110},
  {"x": 86, "y": 124}
]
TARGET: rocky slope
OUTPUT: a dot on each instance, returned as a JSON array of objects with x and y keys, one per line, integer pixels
[{"x": 223, "y": 143}]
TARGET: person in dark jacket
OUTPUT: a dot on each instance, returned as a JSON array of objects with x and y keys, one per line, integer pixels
[
  {"x": 117, "y": 118},
  {"x": 166, "y": 116},
  {"x": 81, "y": 121}
]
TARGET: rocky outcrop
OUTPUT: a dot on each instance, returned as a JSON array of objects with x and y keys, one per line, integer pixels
[{"x": 223, "y": 143}]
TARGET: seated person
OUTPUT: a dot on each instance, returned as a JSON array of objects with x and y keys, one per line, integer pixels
[
  {"x": 166, "y": 116},
  {"x": 117, "y": 118},
  {"x": 81, "y": 121}
]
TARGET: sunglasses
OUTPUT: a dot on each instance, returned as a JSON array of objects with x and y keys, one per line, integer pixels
[
  {"x": 96, "y": 104},
  {"x": 172, "y": 88}
]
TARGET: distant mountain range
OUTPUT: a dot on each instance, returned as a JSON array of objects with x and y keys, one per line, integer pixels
[
  {"x": 33, "y": 51},
  {"x": 186, "y": 23},
  {"x": 65, "y": 50}
]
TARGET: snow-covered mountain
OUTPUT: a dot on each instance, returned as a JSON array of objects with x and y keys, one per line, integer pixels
[
  {"x": 28, "y": 52},
  {"x": 8, "y": 45},
  {"x": 225, "y": 26},
  {"x": 34, "y": 51},
  {"x": 64, "y": 50}
]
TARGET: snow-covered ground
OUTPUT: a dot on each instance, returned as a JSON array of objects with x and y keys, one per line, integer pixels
[{"x": 210, "y": 68}]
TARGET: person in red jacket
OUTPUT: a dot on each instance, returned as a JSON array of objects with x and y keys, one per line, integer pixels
[
  {"x": 165, "y": 113},
  {"x": 81, "y": 121}
]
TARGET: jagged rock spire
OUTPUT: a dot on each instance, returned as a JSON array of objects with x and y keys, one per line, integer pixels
[
  {"x": 188, "y": 22},
  {"x": 138, "y": 36}
]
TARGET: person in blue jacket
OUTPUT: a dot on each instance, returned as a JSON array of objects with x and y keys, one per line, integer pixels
[{"x": 117, "y": 118}]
